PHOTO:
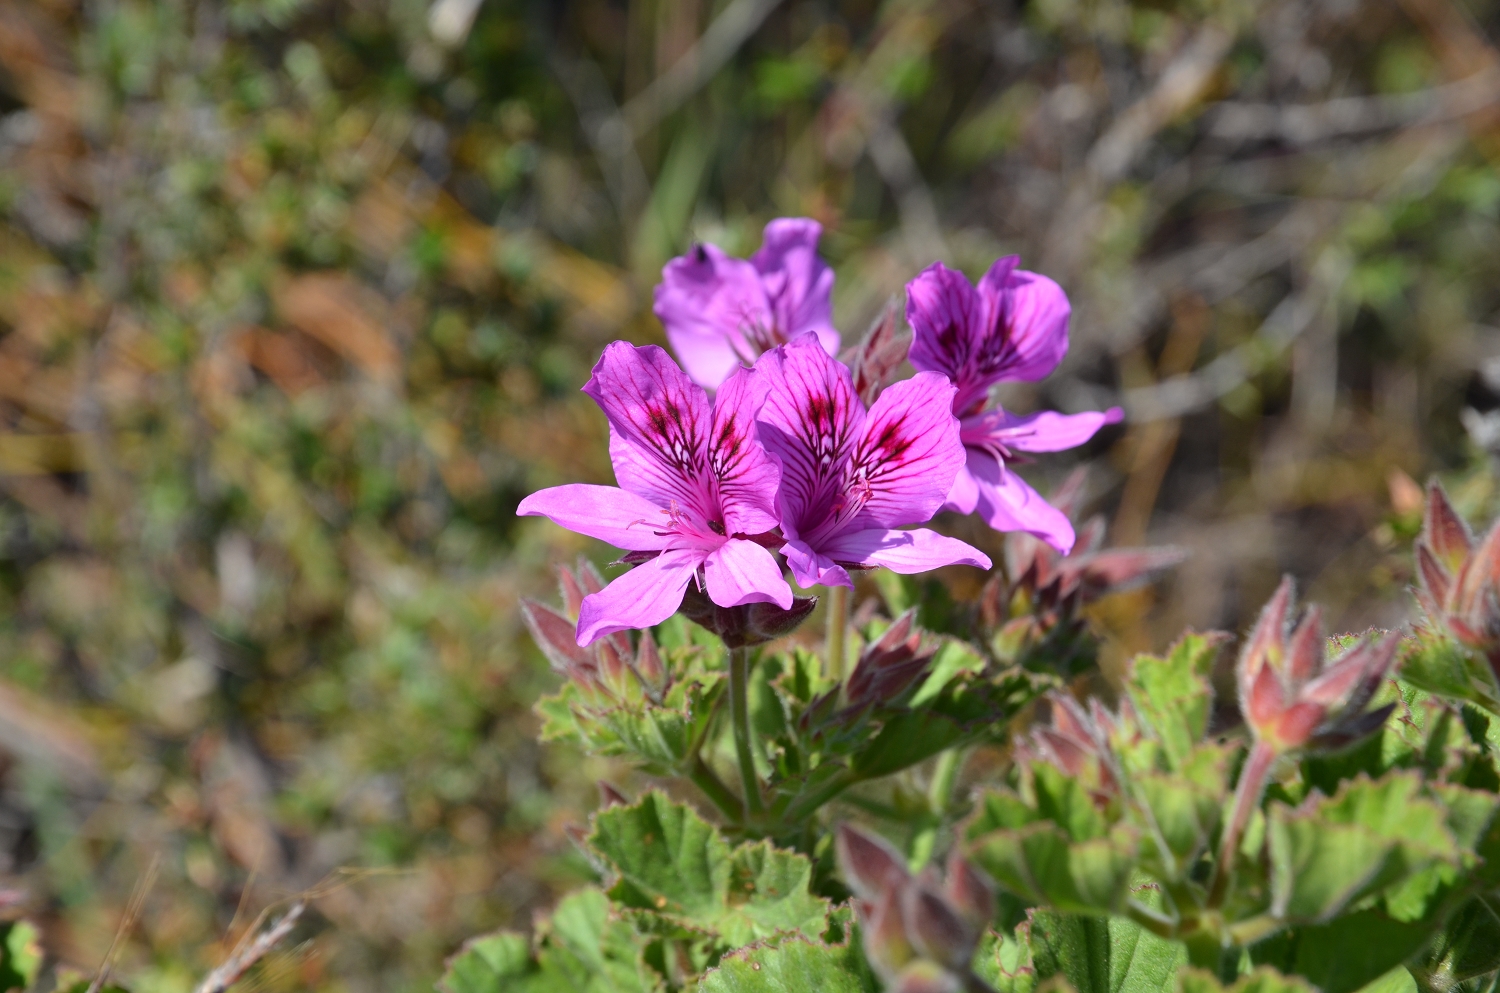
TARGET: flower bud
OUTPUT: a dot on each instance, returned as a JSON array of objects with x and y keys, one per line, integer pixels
[
  {"x": 750, "y": 624},
  {"x": 970, "y": 892},
  {"x": 1292, "y": 698},
  {"x": 885, "y": 940},
  {"x": 870, "y": 865},
  {"x": 935, "y": 929},
  {"x": 926, "y": 977},
  {"x": 890, "y": 664},
  {"x": 1460, "y": 584}
]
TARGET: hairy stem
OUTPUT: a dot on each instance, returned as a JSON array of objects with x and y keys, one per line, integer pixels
[
  {"x": 1246, "y": 798},
  {"x": 713, "y": 787},
  {"x": 805, "y": 806},
  {"x": 939, "y": 796},
  {"x": 739, "y": 710},
  {"x": 838, "y": 620}
]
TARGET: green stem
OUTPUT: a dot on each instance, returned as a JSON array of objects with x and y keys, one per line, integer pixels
[
  {"x": 739, "y": 710},
  {"x": 713, "y": 787},
  {"x": 1246, "y": 798},
  {"x": 944, "y": 777},
  {"x": 838, "y": 620},
  {"x": 805, "y": 806},
  {"x": 1152, "y": 920}
]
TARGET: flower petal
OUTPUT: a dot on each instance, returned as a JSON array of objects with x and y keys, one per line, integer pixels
[
  {"x": 743, "y": 572},
  {"x": 948, "y": 334},
  {"x": 797, "y": 283},
  {"x": 747, "y": 476},
  {"x": 1007, "y": 503},
  {"x": 917, "y": 550},
  {"x": 648, "y": 594},
  {"x": 604, "y": 512},
  {"x": 1043, "y": 431},
  {"x": 708, "y": 301},
  {"x": 810, "y": 421},
  {"x": 812, "y": 569},
  {"x": 1027, "y": 317},
  {"x": 963, "y": 497},
  {"x": 908, "y": 453},
  {"x": 659, "y": 425}
]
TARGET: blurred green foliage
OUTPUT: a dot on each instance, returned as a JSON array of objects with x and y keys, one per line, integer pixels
[{"x": 296, "y": 296}]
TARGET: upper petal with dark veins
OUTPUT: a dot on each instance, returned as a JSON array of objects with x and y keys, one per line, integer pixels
[{"x": 908, "y": 454}]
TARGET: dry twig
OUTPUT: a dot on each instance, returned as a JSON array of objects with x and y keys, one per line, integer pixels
[{"x": 247, "y": 955}]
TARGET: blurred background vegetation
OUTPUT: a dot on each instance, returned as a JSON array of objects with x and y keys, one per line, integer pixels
[{"x": 296, "y": 297}]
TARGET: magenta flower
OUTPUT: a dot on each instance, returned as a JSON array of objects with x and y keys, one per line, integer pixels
[
  {"x": 696, "y": 488},
  {"x": 1013, "y": 326},
  {"x": 721, "y": 313},
  {"x": 849, "y": 477}
]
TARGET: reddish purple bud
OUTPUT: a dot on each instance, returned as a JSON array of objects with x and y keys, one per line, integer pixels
[
  {"x": 870, "y": 865},
  {"x": 937, "y": 932},
  {"x": 878, "y": 355},
  {"x": 611, "y": 797},
  {"x": 752, "y": 624},
  {"x": 886, "y": 944},
  {"x": 890, "y": 664},
  {"x": 1444, "y": 533},
  {"x": 1292, "y": 697},
  {"x": 554, "y": 635},
  {"x": 970, "y": 892}
]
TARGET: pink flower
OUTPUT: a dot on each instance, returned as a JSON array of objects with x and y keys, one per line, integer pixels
[
  {"x": 1013, "y": 326},
  {"x": 696, "y": 488},
  {"x": 849, "y": 477},
  {"x": 721, "y": 313}
]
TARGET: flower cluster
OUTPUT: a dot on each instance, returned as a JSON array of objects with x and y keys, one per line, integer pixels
[{"x": 791, "y": 455}]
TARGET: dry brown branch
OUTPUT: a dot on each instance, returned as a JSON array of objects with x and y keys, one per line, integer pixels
[
  {"x": 1310, "y": 123},
  {"x": 247, "y": 955}
]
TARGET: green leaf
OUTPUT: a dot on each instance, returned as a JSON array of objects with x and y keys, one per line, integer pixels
[
  {"x": 1442, "y": 666},
  {"x": 20, "y": 943},
  {"x": 1469, "y": 945},
  {"x": 1262, "y": 980},
  {"x": 1062, "y": 799},
  {"x": 1042, "y": 865},
  {"x": 1372, "y": 834},
  {"x": 1173, "y": 695},
  {"x": 589, "y": 948},
  {"x": 488, "y": 963},
  {"x": 1004, "y": 961},
  {"x": 1102, "y": 955},
  {"x": 953, "y": 659},
  {"x": 795, "y": 965},
  {"x": 676, "y": 865},
  {"x": 1346, "y": 954}
]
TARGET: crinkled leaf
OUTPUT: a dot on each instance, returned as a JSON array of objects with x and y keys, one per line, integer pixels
[
  {"x": 1372, "y": 834},
  {"x": 1062, "y": 799},
  {"x": 587, "y": 947},
  {"x": 673, "y": 863},
  {"x": 795, "y": 965},
  {"x": 953, "y": 659},
  {"x": 1442, "y": 666},
  {"x": 1173, "y": 695},
  {"x": 1039, "y": 863},
  {"x": 488, "y": 964}
]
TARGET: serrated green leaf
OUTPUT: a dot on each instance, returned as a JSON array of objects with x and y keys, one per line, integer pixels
[
  {"x": 673, "y": 863},
  {"x": 953, "y": 659},
  {"x": 1103, "y": 955},
  {"x": 488, "y": 964},
  {"x": 1262, "y": 980},
  {"x": 1442, "y": 666},
  {"x": 669, "y": 859},
  {"x": 1062, "y": 799},
  {"x": 1039, "y": 863},
  {"x": 1372, "y": 834},
  {"x": 997, "y": 809},
  {"x": 588, "y": 948},
  {"x": 795, "y": 965},
  {"x": 1173, "y": 695},
  {"x": 1004, "y": 961},
  {"x": 768, "y": 895}
]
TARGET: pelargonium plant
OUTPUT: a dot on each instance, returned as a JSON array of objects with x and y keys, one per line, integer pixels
[{"x": 816, "y": 823}]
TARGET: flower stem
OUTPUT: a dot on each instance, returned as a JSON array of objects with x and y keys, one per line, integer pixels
[
  {"x": 713, "y": 787},
  {"x": 739, "y": 711},
  {"x": 838, "y": 619},
  {"x": 1246, "y": 798}
]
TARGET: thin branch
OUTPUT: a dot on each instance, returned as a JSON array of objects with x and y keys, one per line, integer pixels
[
  {"x": 132, "y": 913},
  {"x": 699, "y": 64},
  {"x": 1309, "y": 123},
  {"x": 240, "y": 962}
]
